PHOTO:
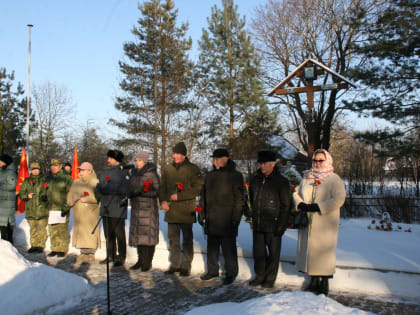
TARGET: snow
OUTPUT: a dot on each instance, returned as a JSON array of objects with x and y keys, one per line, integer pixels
[
  {"x": 26, "y": 286},
  {"x": 281, "y": 303},
  {"x": 380, "y": 263}
]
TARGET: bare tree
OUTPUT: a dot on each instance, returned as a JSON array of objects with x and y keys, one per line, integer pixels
[
  {"x": 53, "y": 109},
  {"x": 289, "y": 32}
]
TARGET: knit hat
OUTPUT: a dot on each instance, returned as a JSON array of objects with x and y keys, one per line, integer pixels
[
  {"x": 56, "y": 161},
  {"x": 34, "y": 166},
  {"x": 220, "y": 153},
  {"x": 180, "y": 148},
  {"x": 7, "y": 159},
  {"x": 116, "y": 155},
  {"x": 142, "y": 155},
  {"x": 85, "y": 166},
  {"x": 266, "y": 156}
]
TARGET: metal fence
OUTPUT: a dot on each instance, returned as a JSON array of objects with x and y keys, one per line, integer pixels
[{"x": 401, "y": 208}]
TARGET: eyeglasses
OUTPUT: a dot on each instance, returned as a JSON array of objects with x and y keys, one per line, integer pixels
[{"x": 318, "y": 161}]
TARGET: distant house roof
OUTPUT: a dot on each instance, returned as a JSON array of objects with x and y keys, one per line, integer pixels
[{"x": 285, "y": 149}]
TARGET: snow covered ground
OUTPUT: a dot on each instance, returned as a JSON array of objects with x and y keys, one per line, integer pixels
[
  {"x": 376, "y": 259},
  {"x": 281, "y": 303}
]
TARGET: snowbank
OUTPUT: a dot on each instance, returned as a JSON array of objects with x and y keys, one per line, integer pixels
[
  {"x": 281, "y": 303},
  {"x": 26, "y": 286}
]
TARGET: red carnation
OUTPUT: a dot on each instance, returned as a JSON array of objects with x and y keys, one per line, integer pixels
[
  {"x": 373, "y": 221},
  {"x": 179, "y": 186},
  {"x": 86, "y": 193},
  {"x": 198, "y": 209},
  {"x": 317, "y": 182},
  {"x": 246, "y": 184},
  {"x": 146, "y": 186},
  {"x": 32, "y": 182},
  {"x": 107, "y": 178},
  {"x": 44, "y": 185},
  {"x": 150, "y": 181},
  {"x": 292, "y": 188}
]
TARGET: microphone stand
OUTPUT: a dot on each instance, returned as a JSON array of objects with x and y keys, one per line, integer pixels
[{"x": 106, "y": 223}]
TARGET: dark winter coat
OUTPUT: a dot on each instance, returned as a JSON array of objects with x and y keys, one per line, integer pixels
[
  {"x": 8, "y": 180},
  {"x": 144, "y": 221},
  {"x": 270, "y": 202},
  {"x": 37, "y": 207},
  {"x": 112, "y": 192},
  {"x": 58, "y": 188},
  {"x": 189, "y": 175},
  {"x": 222, "y": 200}
]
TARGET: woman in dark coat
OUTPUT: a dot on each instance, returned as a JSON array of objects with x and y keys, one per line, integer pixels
[{"x": 144, "y": 223}]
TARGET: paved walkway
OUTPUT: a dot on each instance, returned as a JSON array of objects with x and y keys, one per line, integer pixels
[{"x": 136, "y": 292}]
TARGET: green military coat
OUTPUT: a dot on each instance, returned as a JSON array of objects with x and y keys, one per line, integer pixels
[
  {"x": 58, "y": 188},
  {"x": 189, "y": 175},
  {"x": 37, "y": 207}
]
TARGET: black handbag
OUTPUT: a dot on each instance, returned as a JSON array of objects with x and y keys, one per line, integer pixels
[{"x": 300, "y": 220}]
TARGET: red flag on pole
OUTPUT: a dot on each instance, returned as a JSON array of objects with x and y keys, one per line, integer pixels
[
  {"x": 22, "y": 174},
  {"x": 74, "y": 169}
]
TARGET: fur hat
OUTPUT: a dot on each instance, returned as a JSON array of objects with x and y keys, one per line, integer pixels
[
  {"x": 142, "y": 155},
  {"x": 6, "y": 159},
  {"x": 117, "y": 155},
  {"x": 180, "y": 148},
  {"x": 220, "y": 153},
  {"x": 266, "y": 156}
]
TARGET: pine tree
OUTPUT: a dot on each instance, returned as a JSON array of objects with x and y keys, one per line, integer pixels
[
  {"x": 392, "y": 79},
  {"x": 391, "y": 70},
  {"x": 229, "y": 67},
  {"x": 12, "y": 114},
  {"x": 157, "y": 77}
]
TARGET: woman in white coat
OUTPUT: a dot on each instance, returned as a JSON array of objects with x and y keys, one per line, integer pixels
[{"x": 320, "y": 194}]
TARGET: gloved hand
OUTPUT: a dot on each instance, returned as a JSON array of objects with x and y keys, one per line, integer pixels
[
  {"x": 64, "y": 213},
  {"x": 303, "y": 206},
  {"x": 313, "y": 207}
]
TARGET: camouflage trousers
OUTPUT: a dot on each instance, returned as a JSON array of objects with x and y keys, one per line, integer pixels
[
  {"x": 59, "y": 236},
  {"x": 38, "y": 232}
]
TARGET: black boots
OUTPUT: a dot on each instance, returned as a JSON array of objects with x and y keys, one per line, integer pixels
[
  {"x": 318, "y": 285},
  {"x": 323, "y": 286},
  {"x": 313, "y": 284}
]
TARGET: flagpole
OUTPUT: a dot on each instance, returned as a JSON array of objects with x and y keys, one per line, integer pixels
[{"x": 28, "y": 92}]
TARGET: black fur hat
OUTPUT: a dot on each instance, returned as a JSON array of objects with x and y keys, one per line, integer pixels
[
  {"x": 220, "y": 153},
  {"x": 116, "y": 155},
  {"x": 266, "y": 156},
  {"x": 6, "y": 159}
]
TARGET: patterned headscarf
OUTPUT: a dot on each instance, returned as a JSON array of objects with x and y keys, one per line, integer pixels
[{"x": 327, "y": 167}]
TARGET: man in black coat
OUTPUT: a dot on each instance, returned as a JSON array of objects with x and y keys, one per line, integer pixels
[
  {"x": 222, "y": 201},
  {"x": 270, "y": 203},
  {"x": 112, "y": 191}
]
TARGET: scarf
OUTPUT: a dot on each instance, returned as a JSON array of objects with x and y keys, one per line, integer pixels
[{"x": 327, "y": 167}]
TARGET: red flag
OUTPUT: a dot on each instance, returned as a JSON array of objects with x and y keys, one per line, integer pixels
[
  {"x": 74, "y": 169},
  {"x": 23, "y": 173}
]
